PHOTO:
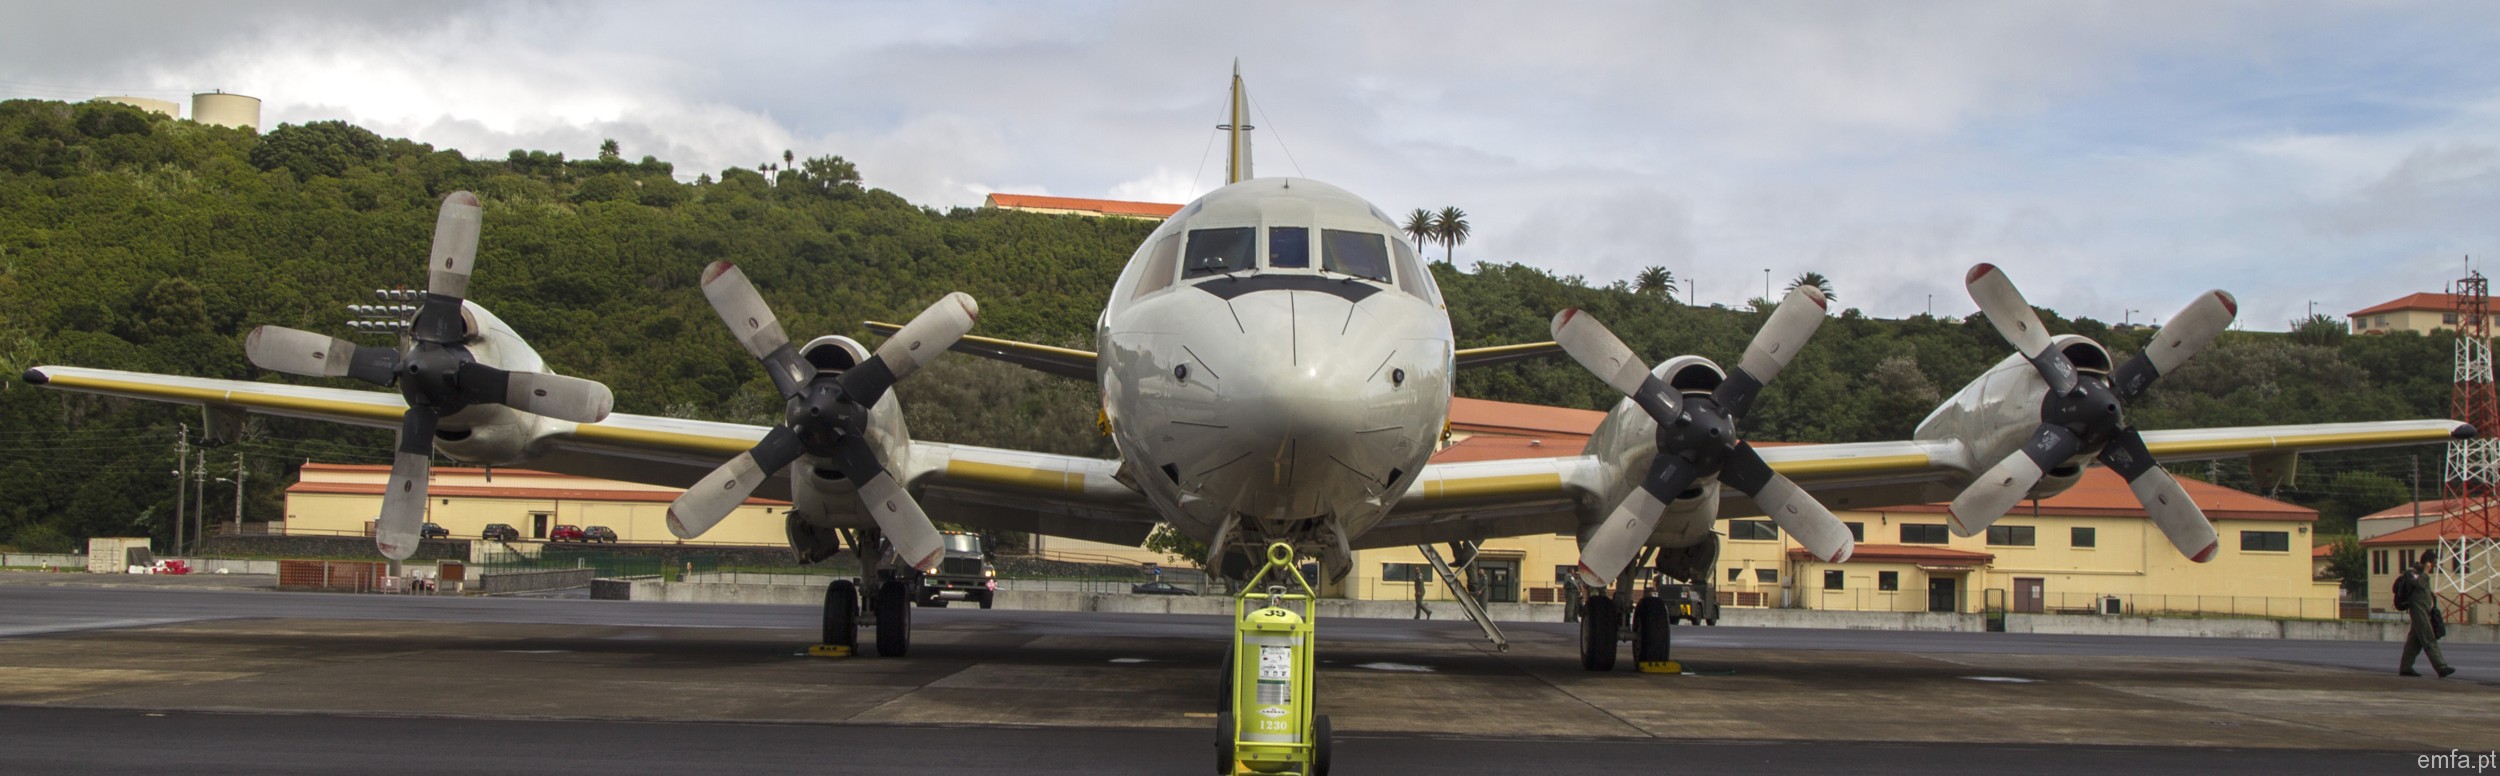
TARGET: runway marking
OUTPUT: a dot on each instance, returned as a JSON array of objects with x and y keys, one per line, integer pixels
[
  {"x": 1131, "y": 660},
  {"x": 1404, "y": 667},
  {"x": 2005, "y": 679},
  {"x": 37, "y": 630}
]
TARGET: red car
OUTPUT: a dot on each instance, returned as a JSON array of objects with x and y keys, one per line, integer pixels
[{"x": 566, "y": 533}]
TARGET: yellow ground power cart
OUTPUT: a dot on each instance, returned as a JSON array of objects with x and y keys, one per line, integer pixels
[{"x": 1267, "y": 725}]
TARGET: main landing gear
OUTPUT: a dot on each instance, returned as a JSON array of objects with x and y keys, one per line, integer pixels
[
  {"x": 1602, "y": 623},
  {"x": 888, "y": 604}
]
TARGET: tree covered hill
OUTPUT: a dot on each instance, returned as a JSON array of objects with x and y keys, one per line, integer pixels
[{"x": 132, "y": 241}]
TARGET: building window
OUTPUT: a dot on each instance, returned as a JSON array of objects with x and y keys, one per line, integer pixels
[
  {"x": 1734, "y": 574},
  {"x": 2265, "y": 541},
  {"x": 2448, "y": 318},
  {"x": 2378, "y": 561},
  {"x": 1402, "y": 572},
  {"x": 2011, "y": 536},
  {"x": 2080, "y": 536},
  {"x": 1887, "y": 580},
  {"x": 2382, "y": 321},
  {"x": 1753, "y": 531},
  {"x": 1766, "y": 576},
  {"x": 1928, "y": 533},
  {"x": 2405, "y": 560},
  {"x": 1857, "y": 531},
  {"x": 1831, "y": 579}
]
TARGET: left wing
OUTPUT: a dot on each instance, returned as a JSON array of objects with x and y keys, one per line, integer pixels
[
  {"x": 1079, "y": 364},
  {"x": 982, "y": 487}
]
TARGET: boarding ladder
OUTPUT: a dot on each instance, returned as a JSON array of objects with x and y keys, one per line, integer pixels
[{"x": 1466, "y": 598}]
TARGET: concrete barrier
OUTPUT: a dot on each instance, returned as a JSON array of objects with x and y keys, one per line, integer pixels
[
  {"x": 2235, "y": 628},
  {"x": 533, "y": 581}
]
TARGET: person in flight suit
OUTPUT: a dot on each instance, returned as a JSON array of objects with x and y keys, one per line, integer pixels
[{"x": 2413, "y": 596}]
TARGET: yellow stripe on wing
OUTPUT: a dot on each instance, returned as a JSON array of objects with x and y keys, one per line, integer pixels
[
  {"x": 888, "y": 329},
  {"x": 262, "y": 401},
  {"x": 1019, "y": 477},
  {"x": 1496, "y": 486},
  {"x": 1872, "y": 464},
  {"x": 2300, "y": 441},
  {"x": 725, "y": 447}
]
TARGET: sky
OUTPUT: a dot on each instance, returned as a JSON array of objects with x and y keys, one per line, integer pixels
[{"x": 2116, "y": 158}]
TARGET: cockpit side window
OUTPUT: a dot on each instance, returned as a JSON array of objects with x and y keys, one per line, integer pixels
[
  {"x": 1217, "y": 251},
  {"x": 1288, "y": 247},
  {"x": 1411, "y": 276},
  {"x": 1361, "y": 254},
  {"x": 1161, "y": 265}
]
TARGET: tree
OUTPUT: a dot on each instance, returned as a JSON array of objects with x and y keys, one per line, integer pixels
[
  {"x": 609, "y": 151},
  {"x": 1166, "y": 540},
  {"x": 1655, "y": 281},
  {"x": 827, "y": 174},
  {"x": 1450, "y": 227},
  {"x": 319, "y": 148},
  {"x": 2350, "y": 566},
  {"x": 1419, "y": 227},
  {"x": 2317, "y": 329},
  {"x": 788, "y": 158},
  {"x": 1818, "y": 281}
]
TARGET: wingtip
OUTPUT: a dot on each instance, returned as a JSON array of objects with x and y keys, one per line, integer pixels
[
  {"x": 2462, "y": 431},
  {"x": 35, "y": 376},
  {"x": 1978, "y": 271}
]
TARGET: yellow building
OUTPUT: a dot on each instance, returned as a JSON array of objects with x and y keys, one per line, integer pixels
[
  {"x": 343, "y": 499},
  {"x": 2390, "y": 553},
  {"x": 2074, "y": 552},
  {"x": 2418, "y": 313}
]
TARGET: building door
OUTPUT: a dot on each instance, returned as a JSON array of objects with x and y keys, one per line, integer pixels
[
  {"x": 1940, "y": 594},
  {"x": 1499, "y": 583},
  {"x": 538, "y": 524},
  {"x": 2029, "y": 598}
]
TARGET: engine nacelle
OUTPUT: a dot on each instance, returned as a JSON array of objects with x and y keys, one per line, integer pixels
[
  {"x": 493, "y": 434},
  {"x": 822, "y": 496},
  {"x": 1627, "y": 439},
  {"x": 1996, "y": 413}
]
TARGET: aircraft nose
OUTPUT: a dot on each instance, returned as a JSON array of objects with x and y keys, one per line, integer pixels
[{"x": 1304, "y": 401}]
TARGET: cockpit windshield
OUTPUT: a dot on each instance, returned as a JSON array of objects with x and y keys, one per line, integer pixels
[
  {"x": 1218, "y": 251},
  {"x": 1361, "y": 254}
]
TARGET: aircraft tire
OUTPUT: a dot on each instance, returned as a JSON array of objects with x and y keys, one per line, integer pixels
[
  {"x": 1597, "y": 633},
  {"x": 893, "y": 602},
  {"x": 842, "y": 613},
  {"x": 1652, "y": 630}
]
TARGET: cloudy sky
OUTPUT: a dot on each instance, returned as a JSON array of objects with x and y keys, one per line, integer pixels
[{"x": 2114, "y": 157}]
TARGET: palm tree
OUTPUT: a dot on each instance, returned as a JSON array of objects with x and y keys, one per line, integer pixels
[
  {"x": 1818, "y": 281},
  {"x": 1450, "y": 227},
  {"x": 1654, "y": 281},
  {"x": 787, "y": 158},
  {"x": 1419, "y": 227}
]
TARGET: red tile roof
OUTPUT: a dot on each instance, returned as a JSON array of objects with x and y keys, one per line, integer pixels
[
  {"x": 1111, "y": 207},
  {"x": 1898, "y": 553},
  {"x": 2430, "y": 507},
  {"x": 1485, "y": 416},
  {"x": 2426, "y": 533},
  {"x": 1502, "y": 448},
  {"x": 2102, "y": 492},
  {"x": 2445, "y": 303}
]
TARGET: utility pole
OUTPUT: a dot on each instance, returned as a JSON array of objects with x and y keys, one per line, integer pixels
[
  {"x": 1766, "y": 283},
  {"x": 182, "y": 477},
  {"x": 199, "y": 489},
  {"x": 238, "y": 493}
]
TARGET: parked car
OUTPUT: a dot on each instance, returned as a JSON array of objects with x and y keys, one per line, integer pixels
[
  {"x": 599, "y": 533},
  {"x": 433, "y": 530},
  {"x": 499, "y": 532},
  {"x": 566, "y": 533},
  {"x": 1160, "y": 588}
]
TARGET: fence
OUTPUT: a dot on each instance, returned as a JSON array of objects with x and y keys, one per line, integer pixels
[
  {"x": 497, "y": 559},
  {"x": 2149, "y": 604}
]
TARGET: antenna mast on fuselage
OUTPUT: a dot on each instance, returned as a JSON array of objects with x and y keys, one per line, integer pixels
[{"x": 1237, "y": 160}]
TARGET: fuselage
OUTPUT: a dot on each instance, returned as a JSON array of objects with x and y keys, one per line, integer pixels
[{"x": 1275, "y": 363}]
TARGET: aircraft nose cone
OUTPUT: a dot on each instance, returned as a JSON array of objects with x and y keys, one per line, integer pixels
[{"x": 1303, "y": 400}]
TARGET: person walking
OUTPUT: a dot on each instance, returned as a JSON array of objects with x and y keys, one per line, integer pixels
[{"x": 2413, "y": 596}]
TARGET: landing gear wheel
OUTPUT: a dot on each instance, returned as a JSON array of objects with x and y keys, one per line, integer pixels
[
  {"x": 1651, "y": 631},
  {"x": 1224, "y": 733},
  {"x": 842, "y": 614},
  {"x": 1321, "y": 745},
  {"x": 1597, "y": 633},
  {"x": 893, "y": 603}
]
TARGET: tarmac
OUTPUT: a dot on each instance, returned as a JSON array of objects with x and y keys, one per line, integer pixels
[{"x": 112, "y": 678}]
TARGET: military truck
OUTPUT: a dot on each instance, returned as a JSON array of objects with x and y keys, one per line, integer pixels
[{"x": 964, "y": 573}]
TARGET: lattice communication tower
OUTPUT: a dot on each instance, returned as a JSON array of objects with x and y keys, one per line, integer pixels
[{"x": 2468, "y": 552}]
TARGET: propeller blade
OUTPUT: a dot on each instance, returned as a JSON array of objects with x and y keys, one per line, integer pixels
[
  {"x": 298, "y": 352},
  {"x": 1616, "y": 541},
  {"x": 752, "y": 321},
  {"x": 1790, "y": 506},
  {"x": 920, "y": 341},
  {"x": 2163, "y": 499},
  {"x": 537, "y": 393},
  {"x": 395, "y": 531},
  {"x": 907, "y": 529},
  {"x": 1599, "y": 351},
  {"x": 2179, "y": 340},
  {"x": 1997, "y": 491},
  {"x": 1791, "y": 324},
  {"x": 455, "y": 247},
  {"x": 719, "y": 493},
  {"x": 2020, "y": 325}
]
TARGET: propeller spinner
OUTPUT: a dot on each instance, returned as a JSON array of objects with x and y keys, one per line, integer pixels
[
  {"x": 827, "y": 415},
  {"x": 1697, "y": 437},
  {"x": 436, "y": 374},
  {"x": 2085, "y": 411}
]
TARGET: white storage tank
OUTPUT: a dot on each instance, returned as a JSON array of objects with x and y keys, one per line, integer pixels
[
  {"x": 150, "y": 104},
  {"x": 226, "y": 110}
]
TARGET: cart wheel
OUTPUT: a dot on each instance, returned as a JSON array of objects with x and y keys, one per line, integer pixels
[
  {"x": 1224, "y": 733},
  {"x": 1321, "y": 745}
]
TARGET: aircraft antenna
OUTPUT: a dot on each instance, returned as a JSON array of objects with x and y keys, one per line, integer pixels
[
  {"x": 2468, "y": 549},
  {"x": 1237, "y": 156}
]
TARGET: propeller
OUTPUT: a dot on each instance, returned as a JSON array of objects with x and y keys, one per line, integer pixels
[
  {"x": 2086, "y": 411},
  {"x": 1697, "y": 437},
  {"x": 436, "y": 373},
  {"x": 827, "y": 415}
]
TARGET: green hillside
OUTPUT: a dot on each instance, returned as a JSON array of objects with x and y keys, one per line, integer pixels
[{"x": 131, "y": 241}]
